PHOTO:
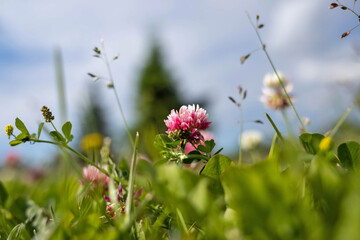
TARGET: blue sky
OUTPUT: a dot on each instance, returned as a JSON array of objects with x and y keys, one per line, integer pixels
[{"x": 203, "y": 42}]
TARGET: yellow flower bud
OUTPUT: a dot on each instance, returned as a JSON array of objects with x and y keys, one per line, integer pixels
[
  {"x": 326, "y": 144},
  {"x": 9, "y": 129}
]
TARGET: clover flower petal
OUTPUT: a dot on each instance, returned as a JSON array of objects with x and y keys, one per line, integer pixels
[{"x": 186, "y": 123}]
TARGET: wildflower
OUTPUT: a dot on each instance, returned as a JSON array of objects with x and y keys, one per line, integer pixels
[
  {"x": 47, "y": 114},
  {"x": 251, "y": 139},
  {"x": 326, "y": 144},
  {"x": 306, "y": 121},
  {"x": 186, "y": 123},
  {"x": 91, "y": 141},
  {"x": 9, "y": 129},
  {"x": 35, "y": 174},
  {"x": 121, "y": 200},
  {"x": 12, "y": 160},
  {"x": 94, "y": 176},
  {"x": 274, "y": 95}
]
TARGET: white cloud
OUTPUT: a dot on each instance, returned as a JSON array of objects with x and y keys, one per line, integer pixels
[{"x": 328, "y": 70}]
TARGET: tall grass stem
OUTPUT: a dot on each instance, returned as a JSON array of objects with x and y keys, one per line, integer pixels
[
  {"x": 130, "y": 196},
  {"x": 341, "y": 120},
  {"x": 59, "y": 72},
  {"x": 116, "y": 95},
  {"x": 275, "y": 71}
]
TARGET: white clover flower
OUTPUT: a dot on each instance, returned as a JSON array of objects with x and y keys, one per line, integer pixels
[
  {"x": 273, "y": 94},
  {"x": 271, "y": 80},
  {"x": 251, "y": 139}
]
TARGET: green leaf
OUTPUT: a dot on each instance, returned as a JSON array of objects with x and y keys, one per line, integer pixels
[
  {"x": 216, "y": 166},
  {"x": 3, "y": 195},
  {"x": 66, "y": 129},
  {"x": 203, "y": 149},
  {"x": 311, "y": 141},
  {"x": 16, "y": 232},
  {"x": 274, "y": 126},
  {"x": 194, "y": 153},
  {"x": 57, "y": 136},
  {"x": 18, "y": 208},
  {"x": 161, "y": 162},
  {"x": 22, "y": 137},
  {"x": 21, "y": 126},
  {"x": 41, "y": 125},
  {"x": 192, "y": 158},
  {"x": 15, "y": 142},
  {"x": 349, "y": 155},
  {"x": 163, "y": 142},
  {"x": 159, "y": 141},
  {"x": 210, "y": 145}
]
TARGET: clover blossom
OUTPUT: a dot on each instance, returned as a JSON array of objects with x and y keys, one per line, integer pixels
[
  {"x": 94, "y": 176},
  {"x": 251, "y": 139},
  {"x": 273, "y": 94},
  {"x": 186, "y": 123}
]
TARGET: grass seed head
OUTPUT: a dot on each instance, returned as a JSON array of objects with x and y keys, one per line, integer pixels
[{"x": 47, "y": 114}]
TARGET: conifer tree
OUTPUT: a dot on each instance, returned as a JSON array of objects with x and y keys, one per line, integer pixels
[{"x": 157, "y": 93}]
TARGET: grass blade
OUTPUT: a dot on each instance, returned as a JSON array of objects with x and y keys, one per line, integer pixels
[{"x": 275, "y": 128}]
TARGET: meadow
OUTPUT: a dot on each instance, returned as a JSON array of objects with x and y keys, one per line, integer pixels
[{"x": 177, "y": 184}]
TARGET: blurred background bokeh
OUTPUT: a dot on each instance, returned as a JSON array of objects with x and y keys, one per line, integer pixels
[{"x": 171, "y": 53}]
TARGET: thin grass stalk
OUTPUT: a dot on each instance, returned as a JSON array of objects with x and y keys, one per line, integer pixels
[
  {"x": 273, "y": 143},
  {"x": 341, "y": 120},
  {"x": 275, "y": 71},
  {"x": 59, "y": 72},
  {"x": 240, "y": 138},
  {"x": 116, "y": 95},
  {"x": 130, "y": 196},
  {"x": 76, "y": 153},
  {"x": 182, "y": 221},
  {"x": 275, "y": 128}
]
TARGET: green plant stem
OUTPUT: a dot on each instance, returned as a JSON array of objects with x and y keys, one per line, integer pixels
[
  {"x": 75, "y": 152},
  {"x": 130, "y": 196},
  {"x": 116, "y": 95},
  {"x": 273, "y": 143},
  {"x": 240, "y": 138},
  {"x": 275, "y": 71},
  {"x": 54, "y": 126},
  {"x": 354, "y": 28},
  {"x": 341, "y": 120},
  {"x": 182, "y": 221},
  {"x": 139, "y": 209},
  {"x": 59, "y": 72},
  {"x": 351, "y": 10},
  {"x": 197, "y": 156},
  {"x": 303, "y": 187}
]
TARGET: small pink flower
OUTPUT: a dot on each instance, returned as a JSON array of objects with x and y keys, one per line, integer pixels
[
  {"x": 94, "y": 176},
  {"x": 12, "y": 160},
  {"x": 186, "y": 123},
  {"x": 138, "y": 193}
]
